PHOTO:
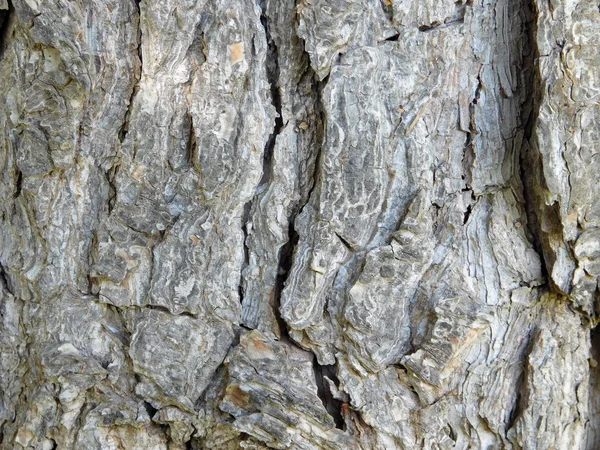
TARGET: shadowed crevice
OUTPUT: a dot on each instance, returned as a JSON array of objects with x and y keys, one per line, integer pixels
[
  {"x": 6, "y": 20},
  {"x": 4, "y": 280},
  {"x": 138, "y": 75},
  {"x": 272, "y": 71},
  {"x": 521, "y": 399},
  {"x": 332, "y": 405},
  {"x": 272, "y": 74},
  {"x": 18, "y": 183},
  {"x": 286, "y": 254},
  {"x": 593, "y": 428},
  {"x": 246, "y": 262},
  {"x": 530, "y": 169}
]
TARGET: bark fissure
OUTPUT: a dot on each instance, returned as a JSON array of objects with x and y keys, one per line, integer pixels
[
  {"x": 529, "y": 163},
  {"x": 138, "y": 76},
  {"x": 286, "y": 253},
  {"x": 18, "y": 183},
  {"x": 272, "y": 75},
  {"x": 593, "y": 433},
  {"x": 520, "y": 400},
  {"x": 317, "y": 88},
  {"x": 358, "y": 175},
  {"x": 6, "y": 17},
  {"x": 245, "y": 222},
  {"x": 468, "y": 155},
  {"x": 111, "y": 177},
  {"x": 4, "y": 281},
  {"x": 192, "y": 148},
  {"x": 272, "y": 71},
  {"x": 467, "y": 214},
  {"x": 332, "y": 405}
]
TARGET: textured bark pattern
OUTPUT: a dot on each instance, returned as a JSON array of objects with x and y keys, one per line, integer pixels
[{"x": 322, "y": 224}]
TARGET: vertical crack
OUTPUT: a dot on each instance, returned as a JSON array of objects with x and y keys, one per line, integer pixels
[
  {"x": 245, "y": 220},
  {"x": 286, "y": 254},
  {"x": 111, "y": 176},
  {"x": 192, "y": 149},
  {"x": 18, "y": 183},
  {"x": 593, "y": 429},
  {"x": 467, "y": 214},
  {"x": 272, "y": 72},
  {"x": 4, "y": 281},
  {"x": 317, "y": 91},
  {"x": 323, "y": 376},
  {"x": 468, "y": 157},
  {"x": 6, "y": 19},
  {"x": 138, "y": 75},
  {"x": 521, "y": 401},
  {"x": 529, "y": 163}
]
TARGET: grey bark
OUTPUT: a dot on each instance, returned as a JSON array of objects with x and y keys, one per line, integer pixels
[{"x": 322, "y": 224}]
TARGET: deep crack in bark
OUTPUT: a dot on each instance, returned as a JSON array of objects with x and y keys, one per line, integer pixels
[
  {"x": 6, "y": 17},
  {"x": 332, "y": 405},
  {"x": 5, "y": 281},
  {"x": 134, "y": 91},
  {"x": 272, "y": 74},
  {"x": 529, "y": 163},
  {"x": 310, "y": 175},
  {"x": 520, "y": 401},
  {"x": 245, "y": 219},
  {"x": 468, "y": 156},
  {"x": 286, "y": 253},
  {"x": 272, "y": 71},
  {"x": 18, "y": 183},
  {"x": 593, "y": 429}
]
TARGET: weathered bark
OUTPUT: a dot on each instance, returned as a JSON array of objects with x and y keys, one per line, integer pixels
[{"x": 322, "y": 224}]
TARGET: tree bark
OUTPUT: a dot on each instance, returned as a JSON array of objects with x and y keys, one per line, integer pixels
[{"x": 320, "y": 224}]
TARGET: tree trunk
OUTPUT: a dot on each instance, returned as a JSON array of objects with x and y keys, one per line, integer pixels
[{"x": 321, "y": 224}]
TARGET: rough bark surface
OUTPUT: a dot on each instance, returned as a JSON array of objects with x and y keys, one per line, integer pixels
[{"x": 321, "y": 224}]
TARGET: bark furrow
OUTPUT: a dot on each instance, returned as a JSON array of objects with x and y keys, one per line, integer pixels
[{"x": 299, "y": 224}]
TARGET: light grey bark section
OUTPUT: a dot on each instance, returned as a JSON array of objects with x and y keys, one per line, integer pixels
[{"x": 299, "y": 224}]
